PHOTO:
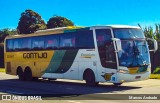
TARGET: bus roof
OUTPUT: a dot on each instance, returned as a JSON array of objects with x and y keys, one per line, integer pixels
[
  {"x": 68, "y": 29},
  {"x": 123, "y": 26},
  {"x": 116, "y": 26},
  {"x": 47, "y": 31},
  {"x": 60, "y": 28}
]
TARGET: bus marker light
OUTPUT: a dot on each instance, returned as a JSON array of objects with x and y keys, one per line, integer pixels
[{"x": 107, "y": 76}]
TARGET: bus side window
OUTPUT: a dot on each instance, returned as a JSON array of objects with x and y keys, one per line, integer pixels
[
  {"x": 9, "y": 46},
  {"x": 26, "y": 44},
  {"x": 52, "y": 42},
  {"x": 17, "y": 45},
  {"x": 38, "y": 43},
  {"x": 67, "y": 41},
  {"x": 85, "y": 40}
]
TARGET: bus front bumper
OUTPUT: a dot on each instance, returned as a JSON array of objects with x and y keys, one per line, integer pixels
[{"x": 122, "y": 77}]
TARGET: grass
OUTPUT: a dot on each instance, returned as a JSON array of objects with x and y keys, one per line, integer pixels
[
  {"x": 155, "y": 76},
  {"x": 2, "y": 70}
]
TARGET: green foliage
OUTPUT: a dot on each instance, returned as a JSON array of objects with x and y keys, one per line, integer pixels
[
  {"x": 157, "y": 71},
  {"x": 5, "y": 32},
  {"x": 30, "y": 22},
  {"x": 150, "y": 33},
  {"x": 59, "y": 21},
  {"x": 157, "y": 32}
]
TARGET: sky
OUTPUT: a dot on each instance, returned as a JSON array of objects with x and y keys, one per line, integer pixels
[{"x": 84, "y": 12}]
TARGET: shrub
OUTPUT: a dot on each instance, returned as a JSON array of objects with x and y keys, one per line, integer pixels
[{"x": 157, "y": 71}]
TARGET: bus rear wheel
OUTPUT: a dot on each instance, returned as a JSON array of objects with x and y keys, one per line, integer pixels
[
  {"x": 20, "y": 73},
  {"x": 89, "y": 77},
  {"x": 28, "y": 74}
]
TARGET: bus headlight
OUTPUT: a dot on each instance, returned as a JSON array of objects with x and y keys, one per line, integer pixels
[{"x": 123, "y": 71}]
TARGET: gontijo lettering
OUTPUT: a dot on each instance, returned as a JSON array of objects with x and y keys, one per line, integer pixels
[{"x": 35, "y": 55}]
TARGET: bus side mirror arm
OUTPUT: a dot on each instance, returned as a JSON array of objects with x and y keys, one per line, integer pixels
[
  {"x": 118, "y": 44},
  {"x": 155, "y": 44}
]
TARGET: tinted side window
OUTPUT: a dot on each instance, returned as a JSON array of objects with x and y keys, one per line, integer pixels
[
  {"x": 38, "y": 43},
  {"x": 52, "y": 42},
  {"x": 85, "y": 40},
  {"x": 67, "y": 41},
  {"x": 17, "y": 44},
  {"x": 26, "y": 44},
  {"x": 103, "y": 36},
  {"x": 9, "y": 45}
]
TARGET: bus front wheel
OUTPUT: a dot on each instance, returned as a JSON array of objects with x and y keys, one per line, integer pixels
[
  {"x": 89, "y": 77},
  {"x": 117, "y": 84},
  {"x": 28, "y": 74}
]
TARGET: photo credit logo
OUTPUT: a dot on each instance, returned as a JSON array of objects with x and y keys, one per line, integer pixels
[{"x": 16, "y": 97}]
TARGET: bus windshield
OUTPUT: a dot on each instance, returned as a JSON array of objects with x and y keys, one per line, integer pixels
[{"x": 134, "y": 48}]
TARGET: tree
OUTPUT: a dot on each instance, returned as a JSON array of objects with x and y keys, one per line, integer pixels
[
  {"x": 148, "y": 32},
  {"x": 30, "y": 22},
  {"x": 157, "y": 32},
  {"x": 5, "y": 32},
  {"x": 59, "y": 21}
]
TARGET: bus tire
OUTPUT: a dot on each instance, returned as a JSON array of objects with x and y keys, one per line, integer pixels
[
  {"x": 117, "y": 84},
  {"x": 52, "y": 79},
  {"x": 28, "y": 74},
  {"x": 35, "y": 78},
  {"x": 20, "y": 73},
  {"x": 89, "y": 77}
]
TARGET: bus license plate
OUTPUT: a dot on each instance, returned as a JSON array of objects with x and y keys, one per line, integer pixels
[{"x": 137, "y": 77}]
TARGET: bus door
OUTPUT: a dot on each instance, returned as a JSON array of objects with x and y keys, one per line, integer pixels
[{"x": 106, "y": 50}]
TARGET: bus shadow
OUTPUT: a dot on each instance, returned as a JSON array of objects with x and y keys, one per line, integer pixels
[{"x": 59, "y": 89}]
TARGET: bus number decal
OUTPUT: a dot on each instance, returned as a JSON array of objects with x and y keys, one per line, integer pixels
[{"x": 10, "y": 56}]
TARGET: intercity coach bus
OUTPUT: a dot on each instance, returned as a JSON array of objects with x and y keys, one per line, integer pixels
[{"x": 113, "y": 53}]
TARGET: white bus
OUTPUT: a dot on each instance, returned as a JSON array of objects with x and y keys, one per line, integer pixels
[{"x": 114, "y": 54}]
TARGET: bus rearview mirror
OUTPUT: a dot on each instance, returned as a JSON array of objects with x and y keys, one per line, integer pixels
[
  {"x": 118, "y": 44},
  {"x": 152, "y": 44}
]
